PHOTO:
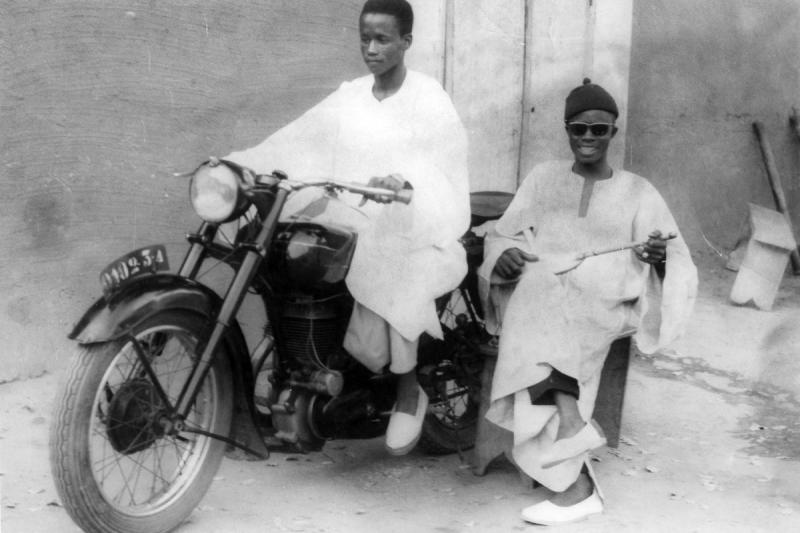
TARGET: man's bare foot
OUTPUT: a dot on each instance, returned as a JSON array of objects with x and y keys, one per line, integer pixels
[
  {"x": 575, "y": 493},
  {"x": 569, "y": 428},
  {"x": 573, "y": 444},
  {"x": 569, "y": 416}
]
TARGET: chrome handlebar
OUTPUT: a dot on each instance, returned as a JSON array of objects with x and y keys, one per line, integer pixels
[{"x": 377, "y": 194}]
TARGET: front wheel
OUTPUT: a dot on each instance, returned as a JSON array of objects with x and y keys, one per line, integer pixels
[{"x": 115, "y": 465}]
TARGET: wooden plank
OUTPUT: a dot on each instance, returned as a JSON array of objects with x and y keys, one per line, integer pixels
[
  {"x": 611, "y": 392},
  {"x": 491, "y": 441},
  {"x": 427, "y": 52},
  {"x": 488, "y": 92}
]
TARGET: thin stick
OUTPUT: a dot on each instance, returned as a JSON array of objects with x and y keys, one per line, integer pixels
[
  {"x": 617, "y": 248},
  {"x": 583, "y": 255},
  {"x": 777, "y": 188}
]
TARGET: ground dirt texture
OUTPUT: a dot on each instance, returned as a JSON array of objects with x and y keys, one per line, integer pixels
[{"x": 710, "y": 443}]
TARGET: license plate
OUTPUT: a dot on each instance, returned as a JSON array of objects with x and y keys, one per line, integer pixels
[{"x": 147, "y": 260}]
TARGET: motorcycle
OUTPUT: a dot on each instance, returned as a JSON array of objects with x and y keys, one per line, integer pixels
[{"x": 163, "y": 382}]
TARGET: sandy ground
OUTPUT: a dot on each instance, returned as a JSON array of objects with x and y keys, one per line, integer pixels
[{"x": 711, "y": 442}]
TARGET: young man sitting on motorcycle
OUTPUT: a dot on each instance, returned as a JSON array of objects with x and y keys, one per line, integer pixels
[
  {"x": 395, "y": 128},
  {"x": 557, "y": 329}
]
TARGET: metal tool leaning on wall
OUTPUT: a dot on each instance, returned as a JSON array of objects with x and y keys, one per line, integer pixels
[{"x": 776, "y": 186}]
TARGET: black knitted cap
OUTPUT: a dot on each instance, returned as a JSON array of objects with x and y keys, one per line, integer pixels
[{"x": 589, "y": 96}]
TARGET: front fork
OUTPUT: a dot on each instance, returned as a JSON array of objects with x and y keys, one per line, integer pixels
[{"x": 255, "y": 253}]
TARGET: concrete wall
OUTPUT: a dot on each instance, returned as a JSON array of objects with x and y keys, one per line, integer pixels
[
  {"x": 102, "y": 101},
  {"x": 701, "y": 74}
]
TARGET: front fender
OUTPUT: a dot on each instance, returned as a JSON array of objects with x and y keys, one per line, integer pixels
[{"x": 110, "y": 319}]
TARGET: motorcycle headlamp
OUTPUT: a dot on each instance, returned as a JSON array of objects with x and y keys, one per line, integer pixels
[{"x": 215, "y": 193}]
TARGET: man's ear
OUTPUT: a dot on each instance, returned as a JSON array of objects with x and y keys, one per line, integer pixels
[
  {"x": 614, "y": 131},
  {"x": 408, "y": 38}
]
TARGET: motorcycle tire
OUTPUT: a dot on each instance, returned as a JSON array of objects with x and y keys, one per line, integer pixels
[
  {"x": 452, "y": 420},
  {"x": 452, "y": 370},
  {"x": 113, "y": 467}
]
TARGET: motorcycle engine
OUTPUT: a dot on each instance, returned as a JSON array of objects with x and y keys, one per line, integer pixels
[{"x": 311, "y": 332}]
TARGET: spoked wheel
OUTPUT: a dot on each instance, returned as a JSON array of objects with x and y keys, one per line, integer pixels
[
  {"x": 452, "y": 381},
  {"x": 116, "y": 464}
]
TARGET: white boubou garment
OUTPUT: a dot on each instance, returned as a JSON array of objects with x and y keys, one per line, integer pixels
[
  {"x": 568, "y": 321},
  {"x": 407, "y": 255}
]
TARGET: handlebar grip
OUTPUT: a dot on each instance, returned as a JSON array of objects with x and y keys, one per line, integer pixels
[{"x": 404, "y": 196}]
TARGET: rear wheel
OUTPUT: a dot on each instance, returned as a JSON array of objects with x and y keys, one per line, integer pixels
[
  {"x": 450, "y": 373},
  {"x": 116, "y": 466}
]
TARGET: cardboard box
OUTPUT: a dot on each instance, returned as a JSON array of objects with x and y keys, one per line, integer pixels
[{"x": 765, "y": 258}]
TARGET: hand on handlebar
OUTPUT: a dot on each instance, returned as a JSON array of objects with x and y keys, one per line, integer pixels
[
  {"x": 392, "y": 182},
  {"x": 511, "y": 262}
]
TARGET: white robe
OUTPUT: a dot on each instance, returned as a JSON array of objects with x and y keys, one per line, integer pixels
[
  {"x": 406, "y": 256},
  {"x": 569, "y": 321}
]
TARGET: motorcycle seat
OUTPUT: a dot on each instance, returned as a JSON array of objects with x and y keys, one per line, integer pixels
[{"x": 488, "y": 205}]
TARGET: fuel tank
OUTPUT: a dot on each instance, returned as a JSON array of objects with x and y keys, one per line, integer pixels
[{"x": 310, "y": 258}]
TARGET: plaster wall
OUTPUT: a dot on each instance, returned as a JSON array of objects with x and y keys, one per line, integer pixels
[{"x": 701, "y": 74}]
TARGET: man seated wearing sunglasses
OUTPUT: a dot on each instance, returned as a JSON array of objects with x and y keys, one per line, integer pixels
[{"x": 557, "y": 329}]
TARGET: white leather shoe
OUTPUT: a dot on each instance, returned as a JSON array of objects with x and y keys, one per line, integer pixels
[
  {"x": 586, "y": 440},
  {"x": 547, "y": 513},
  {"x": 404, "y": 429}
]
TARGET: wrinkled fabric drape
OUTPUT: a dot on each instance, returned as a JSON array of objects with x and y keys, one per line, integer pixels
[
  {"x": 406, "y": 255},
  {"x": 569, "y": 321}
]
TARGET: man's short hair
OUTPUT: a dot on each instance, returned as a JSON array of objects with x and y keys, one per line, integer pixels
[{"x": 399, "y": 9}]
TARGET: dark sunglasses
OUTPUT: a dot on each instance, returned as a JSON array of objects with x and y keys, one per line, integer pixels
[{"x": 598, "y": 129}]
